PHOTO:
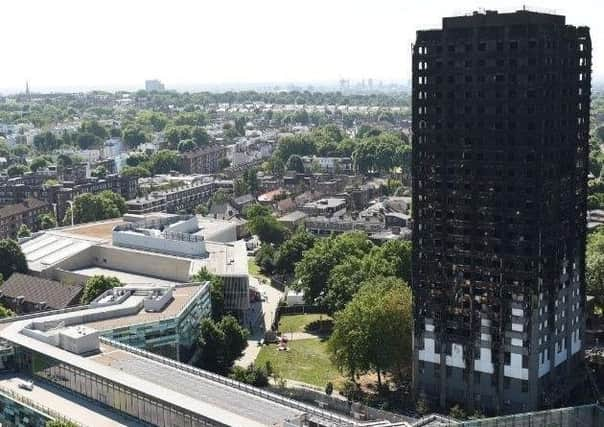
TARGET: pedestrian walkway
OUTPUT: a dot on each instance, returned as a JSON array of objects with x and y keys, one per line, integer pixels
[{"x": 260, "y": 316}]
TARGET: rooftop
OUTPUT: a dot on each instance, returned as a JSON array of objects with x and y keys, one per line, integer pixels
[
  {"x": 25, "y": 206},
  {"x": 492, "y": 18},
  {"x": 252, "y": 410},
  {"x": 37, "y": 290},
  {"x": 180, "y": 297},
  {"x": 131, "y": 279}
]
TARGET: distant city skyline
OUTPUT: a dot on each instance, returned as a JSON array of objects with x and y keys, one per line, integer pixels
[{"x": 188, "y": 45}]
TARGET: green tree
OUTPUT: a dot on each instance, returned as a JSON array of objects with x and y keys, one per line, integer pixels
[
  {"x": 265, "y": 259},
  {"x": 86, "y": 140},
  {"x": 165, "y": 161},
  {"x": 216, "y": 291},
  {"x": 137, "y": 171},
  {"x": 398, "y": 252},
  {"x": 175, "y": 134},
  {"x": 5, "y": 312},
  {"x": 200, "y": 137},
  {"x": 93, "y": 127},
  {"x": 250, "y": 179},
  {"x": 301, "y": 145},
  {"x": 46, "y": 221},
  {"x": 457, "y": 412},
  {"x": 594, "y": 267},
  {"x": 313, "y": 270},
  {"x": 254, "y": 375},
  {"x": 261, "y": 223},
  {"x": 186, "y": 145},
  {"x": 11, "y": 258},
  {"x": 223, "y": 163},
  {"x": 221, "y": 343},
  {"x": 133, "y": 136},
  {"x": 16, "y": 170},
  {"x": 115, "y": 200},
  {"x": 373, "y": 332},
  {"x": 137, "y": 158},
  {"x": 45, "y": 142},
  {"x": 156, "y": 121},
  {"x": 194, "y": 118},
  {"x": 63, "y": 160},
  {"x": 292, "y": 250},
  {"x": 600, "y": 133},
  {"x": 20, "y": 150},
  {"x": 23, "y": 231},
  {"x": 295, "y": 163},
  {"x": 38, "y": 163},
  {"x": 89, "y": 207},
  {"x": 100, "y": 171},
  {"x": 96, "y": 285}
]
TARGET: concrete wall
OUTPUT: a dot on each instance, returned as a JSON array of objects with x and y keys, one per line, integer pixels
[
  {"x": 163, "y": 267},
  {"x": 159, "y": 244}
]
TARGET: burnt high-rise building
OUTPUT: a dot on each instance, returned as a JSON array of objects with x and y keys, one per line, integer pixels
[{"x": 500, "y": 149}]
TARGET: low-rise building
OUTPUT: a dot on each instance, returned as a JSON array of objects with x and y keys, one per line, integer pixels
[
  {"x": 12, "y": 217},
  {"x": 203, "y": 160},
  {"x": 328, "y": 164},
  {"x": 325, "y": 207},
  {"x": 24, "y": 294},
  {"x": 173, "y": 201}
]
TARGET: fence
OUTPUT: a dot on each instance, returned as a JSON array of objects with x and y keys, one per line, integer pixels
[
  {"x": 577, "y": 416},
  {"x": 311, "y": 410},
  {"x": 310, "y": 394}
]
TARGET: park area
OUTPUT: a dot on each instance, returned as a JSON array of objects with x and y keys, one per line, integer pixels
[
  {"x": 306, "y": 358},
  {"x": 311, "y": 323}
]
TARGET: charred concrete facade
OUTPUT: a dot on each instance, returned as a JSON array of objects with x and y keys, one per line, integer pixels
[{"x": 500, "y": 149}]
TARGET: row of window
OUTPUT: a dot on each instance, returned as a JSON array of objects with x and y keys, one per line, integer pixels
[
  {"x": 500, "y": 46},
  {"x": 515, "y": 62}
]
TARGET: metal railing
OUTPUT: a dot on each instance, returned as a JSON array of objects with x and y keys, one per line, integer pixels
[
  {"x": 311, "y": 410},
  {"x": 35, "y": 406}
]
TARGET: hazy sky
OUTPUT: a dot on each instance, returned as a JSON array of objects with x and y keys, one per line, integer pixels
[{"x": 120, "y": 43}]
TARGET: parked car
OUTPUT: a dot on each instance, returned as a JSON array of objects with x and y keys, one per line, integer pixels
[{"x": 27, "y": 385}]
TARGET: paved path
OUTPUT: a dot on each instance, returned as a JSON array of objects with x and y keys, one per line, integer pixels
[
  {"x": 295, "y": 336},
  {"x": 261, "y": 317}
]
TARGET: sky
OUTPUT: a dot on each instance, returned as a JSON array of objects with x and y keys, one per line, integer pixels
[{"x": 111, "y": 44}]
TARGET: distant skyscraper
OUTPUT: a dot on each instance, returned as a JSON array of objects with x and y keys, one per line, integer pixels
[
  {"x": 27, "y": 93},
  {"x": 154, "y": 86},
  {"x": 500, "y": 150}
]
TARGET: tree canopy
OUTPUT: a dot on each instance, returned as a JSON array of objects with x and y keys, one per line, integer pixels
[
  {"x": 216, "y": 291},
  {"x": 12, "y": 259},
  {"x": 262, "y": 223},
  {"x": 594, "y": 268},
  {"x": 89, "y": 207},
  {"x": 373, "y": 332},
  {"x": 96, "y": 285},
  {"x": 221, "y": 343}
]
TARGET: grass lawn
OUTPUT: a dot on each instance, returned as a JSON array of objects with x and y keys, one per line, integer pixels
[
  {"x": 254, "y": 269},
  {"x": 297, "y": 322},
  {"x": 306, "y": 361}
]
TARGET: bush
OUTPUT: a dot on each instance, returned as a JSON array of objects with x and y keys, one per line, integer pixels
[{"x": 253, "y": 375}]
